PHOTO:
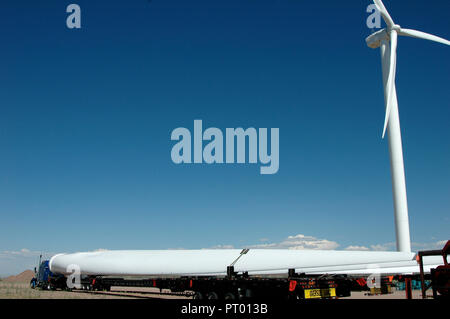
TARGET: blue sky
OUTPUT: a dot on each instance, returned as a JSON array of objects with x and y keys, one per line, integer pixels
[{"x": 86, "y": 117}]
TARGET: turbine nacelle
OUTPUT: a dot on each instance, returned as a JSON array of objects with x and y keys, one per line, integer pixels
[
  {"x": 390, "y": 35},
  {"x": 374, "y": 40}
]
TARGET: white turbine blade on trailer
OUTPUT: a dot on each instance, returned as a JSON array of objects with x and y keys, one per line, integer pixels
[
  {"x": 215, "y": 262},
  {"x": 391, "y": 78},
  {"x": 384, "y": 13},
  {"x": 422, "y": 35}
]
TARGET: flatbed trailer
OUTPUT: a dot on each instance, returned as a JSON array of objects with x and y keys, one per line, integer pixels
[{"x": 236, "y": 286}]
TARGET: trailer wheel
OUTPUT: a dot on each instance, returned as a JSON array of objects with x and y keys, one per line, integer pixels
[
  {"x": 212, "y": 295},
  {"x": 198, "y": 295},
  {"x": 229, "y": 296}
]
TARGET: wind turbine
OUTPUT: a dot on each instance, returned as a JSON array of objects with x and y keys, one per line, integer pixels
[{"x": 386, "y": 40}]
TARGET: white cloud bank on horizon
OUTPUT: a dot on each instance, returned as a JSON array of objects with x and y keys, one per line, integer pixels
[
  {"x": 299, "y": 242},
  {"x": 13, "y": 262},
  {"x": 303, "y": 242}
]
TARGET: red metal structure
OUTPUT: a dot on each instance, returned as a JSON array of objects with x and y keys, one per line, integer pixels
[{"x": 440, "y": 277}]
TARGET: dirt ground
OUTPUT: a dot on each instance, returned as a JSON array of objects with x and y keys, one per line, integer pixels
[
  {"x": 22, "y": 290},
  {"x": 416, "y": 294},
  {"x": 18, "y": 287}
]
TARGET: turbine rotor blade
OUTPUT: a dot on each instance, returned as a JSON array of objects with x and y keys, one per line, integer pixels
[
  {"x": 422, "y": 35},
  {"x": 384, "y": 13},
  {"x": 391, "y": 78}
]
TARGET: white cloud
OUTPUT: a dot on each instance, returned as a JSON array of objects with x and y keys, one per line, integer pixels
[
  {"x": 222, "y": 247},
  {"x": 24, "y": 252},
  {"x": 383, "y": 247},
  {"x": 428, "y": 246},
  {"x": 442, "y": 243},
  {"x": 357, "y": 248},
  {"x": 415, "y": 246},
  {"x": 300, "y": 241},
  {"x": 13, "y": 262}
]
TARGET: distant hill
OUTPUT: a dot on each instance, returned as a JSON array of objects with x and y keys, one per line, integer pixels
[{"x": 25, "y": 276}]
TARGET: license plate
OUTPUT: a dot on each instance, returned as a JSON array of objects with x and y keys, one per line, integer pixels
[{"x": 320, "y": 293}]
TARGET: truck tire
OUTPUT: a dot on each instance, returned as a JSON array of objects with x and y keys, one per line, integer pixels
[
  {"x": 229, "y": 296},
  {"x": 198, "y": 295},
  {"x": 212, "y": 295}
]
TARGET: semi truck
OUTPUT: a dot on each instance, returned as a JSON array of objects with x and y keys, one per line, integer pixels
[
  {"x": 45, "y": 279},
  {"x": 232, "y": 286}
]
